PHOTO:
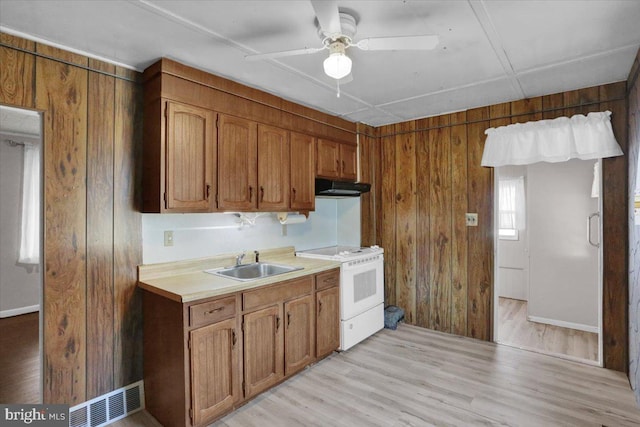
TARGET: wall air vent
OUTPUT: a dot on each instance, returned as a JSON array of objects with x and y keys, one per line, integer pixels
[{"x": 110, "y": 407}]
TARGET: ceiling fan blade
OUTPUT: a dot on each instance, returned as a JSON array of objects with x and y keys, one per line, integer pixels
[
  {"x": 328, "y": 16},
  {"x": 399, "y": 43},
  {"x": 284, "y": 53}
]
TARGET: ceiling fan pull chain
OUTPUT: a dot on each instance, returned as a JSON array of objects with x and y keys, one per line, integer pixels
[{"x": 338, "y": 85}]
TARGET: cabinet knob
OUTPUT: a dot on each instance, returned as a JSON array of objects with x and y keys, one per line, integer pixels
[
  {"x": 293, "y": 197},
  {"x": 277, "y": 323},
  {"x": 319, "y": 306},
  {"x": 338, "y": 165},
  {"x": 343, "y": 166},
  {"x": 261, "y": 193},
  {"x": 208, "y": 191},
  {"x": 288, "y": 319},
  {"x": 250, "y": 193}
]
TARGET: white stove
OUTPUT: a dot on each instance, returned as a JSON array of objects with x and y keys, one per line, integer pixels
[
  {"x": 341, "y": 253},
  {"x": 361, "y": 289}
]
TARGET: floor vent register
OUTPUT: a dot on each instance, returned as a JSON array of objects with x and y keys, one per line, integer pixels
[{"x": 110, "y": 407}]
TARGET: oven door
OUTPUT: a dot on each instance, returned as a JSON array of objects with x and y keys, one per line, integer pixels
[{"x": 361, "y": 285}]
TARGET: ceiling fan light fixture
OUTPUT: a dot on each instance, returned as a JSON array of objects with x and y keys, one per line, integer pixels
[{"x": 338, "y": 64}]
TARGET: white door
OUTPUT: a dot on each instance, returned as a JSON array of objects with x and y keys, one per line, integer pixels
[{"x": 563, "y": 266}]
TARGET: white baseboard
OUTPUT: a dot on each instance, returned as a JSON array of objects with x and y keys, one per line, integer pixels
[
  {"x": 20, "y": 310},
  {"x": 563, "y": 324}
]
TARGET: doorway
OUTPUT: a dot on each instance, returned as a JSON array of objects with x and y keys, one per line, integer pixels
[
  {"x": 548, "y": 291},
  {"x": 20, "y": 256}
]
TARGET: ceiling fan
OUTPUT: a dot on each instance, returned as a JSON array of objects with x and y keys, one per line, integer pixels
[{"x": 337, "y": 30}]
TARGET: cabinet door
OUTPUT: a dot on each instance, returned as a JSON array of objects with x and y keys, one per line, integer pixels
[
  {"x": 328, "y": 158},
  {"x": 273, "y": 168},
  {"x": 214, "y": 370},
  {"x": 348, "y": 162},
  {"x": 237, "y": 160},
  {"x": 303, "y": 160},
  {"x": 298, "y": 334},
  {"x": 327, "y": 321},
  {"x": 190, "y": 156},
  {"x": 263, "y": 345}
]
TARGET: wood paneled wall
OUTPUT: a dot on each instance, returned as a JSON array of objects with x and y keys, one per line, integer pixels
[
  {"x": 426, "y": 175},
  {"x": 92, "y": 228}
]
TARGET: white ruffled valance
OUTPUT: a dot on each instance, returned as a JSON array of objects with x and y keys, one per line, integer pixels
[{"x": 552, "y": 141}]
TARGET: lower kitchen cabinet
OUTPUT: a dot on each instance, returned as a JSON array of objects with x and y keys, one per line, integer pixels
[
  {"x": 327, "y": 312},
  {"x": 299, "y": 334},
  {"x": 263, "y": 345},
  {"x": 214, "y": 370},
  {"x": 327, "y": 321},
  {"x": 203, "y": 359}
]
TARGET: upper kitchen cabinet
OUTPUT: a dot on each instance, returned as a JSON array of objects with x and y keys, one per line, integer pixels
[
  {"x": 179, "y": 169},
  {"x": 337, "y": 160},
  {"x": 262, "y": 156},
  {"x": 237, "y": 159},
  {"x": 273, "y": 168},
  {"x": 303, "y": 163},
  {"x": 253, "y": 168}
]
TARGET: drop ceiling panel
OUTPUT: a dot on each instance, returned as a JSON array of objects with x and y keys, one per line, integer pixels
[
  {"x": 487, "y": 93},
  {"x": 535, "y": 33},
  {"x": 587, "y": 72},
  {"x": 489, "y": 51}
]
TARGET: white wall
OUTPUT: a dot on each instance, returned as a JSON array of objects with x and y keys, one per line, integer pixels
[
  {"x": 513, "y": 259},
  {"x": 199, "y": 235},
  {"x": 563, "y": 266},
  {"x": 348, "y": 221},
  {"x": 19, "y": 284}
]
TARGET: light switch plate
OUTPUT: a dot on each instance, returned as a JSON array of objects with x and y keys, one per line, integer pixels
[
  {"x": 472, "y": 219},
  {"x": 168, "y": 238}
]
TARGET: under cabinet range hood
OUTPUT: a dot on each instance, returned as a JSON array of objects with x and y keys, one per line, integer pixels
[{"x": 329, "y": 188}]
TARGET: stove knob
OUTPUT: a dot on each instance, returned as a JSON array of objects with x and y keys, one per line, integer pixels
[
  {"x": 344, "y": 253},
  {"x": 375, "y": 247}
]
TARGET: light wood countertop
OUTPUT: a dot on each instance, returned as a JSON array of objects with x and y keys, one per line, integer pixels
[{"x": 186, "y": 281}]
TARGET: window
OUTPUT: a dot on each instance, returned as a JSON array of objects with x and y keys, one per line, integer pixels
[
  {"x": 30, "y": 214},
  {"x": 511, "y": 208}
]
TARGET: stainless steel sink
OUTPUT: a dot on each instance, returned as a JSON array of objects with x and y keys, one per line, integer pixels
[{"x": 257, "y": 270}]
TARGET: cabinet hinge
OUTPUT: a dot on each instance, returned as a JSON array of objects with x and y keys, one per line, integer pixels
[
  {"x": 243, "y": 326},
  {"x": 189, "y": 344},
  {"x": 243, "y": 389},
  {"x": 164, "y": 199},
  {"x": 191, "y": 414}
]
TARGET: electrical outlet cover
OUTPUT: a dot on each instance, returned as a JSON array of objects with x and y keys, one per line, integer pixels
[
  {"x": 168, "y": 238},
  {"x": 472, "y": 219}
]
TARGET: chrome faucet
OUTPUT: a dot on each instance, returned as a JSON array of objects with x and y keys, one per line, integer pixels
[
  {"x": 257, "y": 254},
  {"x": 239, "y": 258}
]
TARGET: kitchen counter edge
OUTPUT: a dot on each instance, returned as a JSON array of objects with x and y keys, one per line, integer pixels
[{"x": 198, "y": 285}]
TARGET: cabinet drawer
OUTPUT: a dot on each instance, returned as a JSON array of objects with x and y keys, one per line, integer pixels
[
  {"x": 278, "y": 293},
  {"x": 328, "y": 279},
  {"x": 212, "y": 311}
]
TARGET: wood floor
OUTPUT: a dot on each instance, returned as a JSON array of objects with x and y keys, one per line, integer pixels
[
  {"x": 417, "y": 377},
  {"x": 19, "y": 359},
  {"x": 514, "y": 329}
]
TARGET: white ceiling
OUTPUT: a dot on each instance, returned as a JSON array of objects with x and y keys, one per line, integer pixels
[{"x": 489, "y": 51}]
